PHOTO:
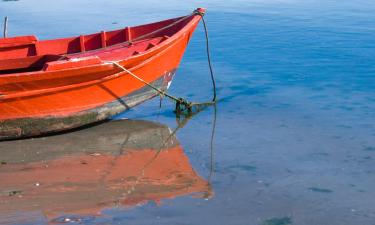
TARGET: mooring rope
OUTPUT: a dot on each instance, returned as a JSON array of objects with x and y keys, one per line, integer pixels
[
  {"x": 182, "y": 105},
  {"x": 208, "y": 55}
]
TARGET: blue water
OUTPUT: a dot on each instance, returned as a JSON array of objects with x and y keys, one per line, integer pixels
[{"x": 295, "y": 124}]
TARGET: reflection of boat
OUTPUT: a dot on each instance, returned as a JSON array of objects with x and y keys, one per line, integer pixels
[
  {"x": 53, "y": 85},
  {"x": 117, "y": 163}
]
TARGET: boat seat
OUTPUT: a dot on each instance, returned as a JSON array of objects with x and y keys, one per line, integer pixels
[
  {"x": 26, "y": 64},
  {"x": 69, "y": 63},
  {"x": 17, "y": 41}
]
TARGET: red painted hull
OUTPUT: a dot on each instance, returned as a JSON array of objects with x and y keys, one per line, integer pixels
[{"x": 54, "y": 85}]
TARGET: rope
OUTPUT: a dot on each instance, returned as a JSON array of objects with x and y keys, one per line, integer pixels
[
  {"x": 161, "y": 92},
  {"x": 208, "y": 54},
  {"x": 182, "y": 105}
]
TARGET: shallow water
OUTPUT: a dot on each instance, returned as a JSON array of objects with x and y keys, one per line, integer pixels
[{"x": 294, "y": 138}]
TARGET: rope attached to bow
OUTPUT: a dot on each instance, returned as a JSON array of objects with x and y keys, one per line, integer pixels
[{"x": 183, "y": 106}]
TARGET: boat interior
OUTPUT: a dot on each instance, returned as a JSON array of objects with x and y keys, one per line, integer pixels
[{"x": 28, "y": 54}]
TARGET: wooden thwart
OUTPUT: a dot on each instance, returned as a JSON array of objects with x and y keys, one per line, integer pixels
[
  {"x": 82, "y": 43},
  {"x": 128, "y": 36}
]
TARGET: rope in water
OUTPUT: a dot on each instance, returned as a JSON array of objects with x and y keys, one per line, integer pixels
[{"x": 182, "y": 105}]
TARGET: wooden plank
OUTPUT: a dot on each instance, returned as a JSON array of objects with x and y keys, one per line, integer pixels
[
  {"x": 103, "y": 36},
  {"x": 36, "y": 44},
  {"x": 128, "y": 36},
  {"x": 82, "y": 43},
  {"x": 17, "y": 41},
  {"x": 19, "y": 63}
]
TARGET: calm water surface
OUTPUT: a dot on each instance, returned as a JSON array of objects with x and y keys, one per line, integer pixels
[{"x": 294, "y": 139}]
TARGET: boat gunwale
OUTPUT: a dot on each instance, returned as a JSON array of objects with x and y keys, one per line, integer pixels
[
  {"x": 124, "y": 42},
  {"x": 168, "y": 41}
]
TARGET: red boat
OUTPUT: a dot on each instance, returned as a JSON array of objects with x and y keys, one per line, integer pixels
[{"x": 54, "y": 85}]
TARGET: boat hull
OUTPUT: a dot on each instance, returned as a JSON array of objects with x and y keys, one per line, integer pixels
[
  {"x": 64, "y": 98},
  {"x": 35, "y": 126}
]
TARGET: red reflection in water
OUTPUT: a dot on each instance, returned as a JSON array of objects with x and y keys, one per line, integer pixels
[{"x": 149, "y": 166}]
